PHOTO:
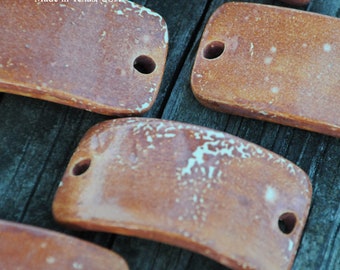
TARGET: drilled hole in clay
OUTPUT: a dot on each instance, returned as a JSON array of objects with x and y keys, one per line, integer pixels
[
  {"x": 213, "y": 50},
  {"x": 287, "y": 222},
  {"x": 81, "y": 167},
  {"x": 144, "y": 64}
]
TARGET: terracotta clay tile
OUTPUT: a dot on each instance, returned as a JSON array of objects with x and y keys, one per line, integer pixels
[
  {"x": 271, "y": 63},
  {"x": 188, "y": 186},
  {"x": 27, "y": 247},
  {"x": 104, "y": 57}
]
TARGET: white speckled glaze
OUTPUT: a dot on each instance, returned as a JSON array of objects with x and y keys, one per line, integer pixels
[{"x": 186, "y": 185}]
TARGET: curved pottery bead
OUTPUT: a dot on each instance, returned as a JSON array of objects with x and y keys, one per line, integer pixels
[
  {"x": 188, "y": 186},
  {"x": 27, "y": 247},
  {"x": 103, "y": 57},
  {"x": 271, "y": 63}
]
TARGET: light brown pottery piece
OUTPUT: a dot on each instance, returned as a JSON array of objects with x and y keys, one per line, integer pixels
[
  {"x": 271, "y": 63},
  {"x": 103, "y": 57},
  {"x": 27, "y": 247},
  {"x": 188, "y": 186}
]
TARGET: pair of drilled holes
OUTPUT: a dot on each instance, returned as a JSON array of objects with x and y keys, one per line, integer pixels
[
  {"x": 144, "y": 64},
  {"x": 286, "y": 222}
]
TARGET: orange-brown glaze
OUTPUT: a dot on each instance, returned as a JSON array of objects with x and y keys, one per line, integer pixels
[
  {"x": 27, "y": 247},
  {"x": 189, "y": 186},
  {"x": 104, "y": 57},
  {"x": 271, "y": 63}
]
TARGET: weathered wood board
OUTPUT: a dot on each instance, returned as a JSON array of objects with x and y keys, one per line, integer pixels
[{"x": 37, "y": 139}]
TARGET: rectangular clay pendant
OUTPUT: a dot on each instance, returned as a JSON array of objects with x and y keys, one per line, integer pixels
[
  {"x": 188, "y": 186},
  {"x": 107, "y": 58},
  {"x": 271, "y": 63}
]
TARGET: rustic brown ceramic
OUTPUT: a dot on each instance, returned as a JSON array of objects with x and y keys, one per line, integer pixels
[
  {"x": 189, "y": 186},
  {"x": 103, "y": 57},
  {"x": 271, "y": 63},
  {"x": 27, "y": 247}
]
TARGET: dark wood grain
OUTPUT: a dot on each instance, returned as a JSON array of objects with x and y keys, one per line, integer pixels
[{"x": 37, "y": 139}]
